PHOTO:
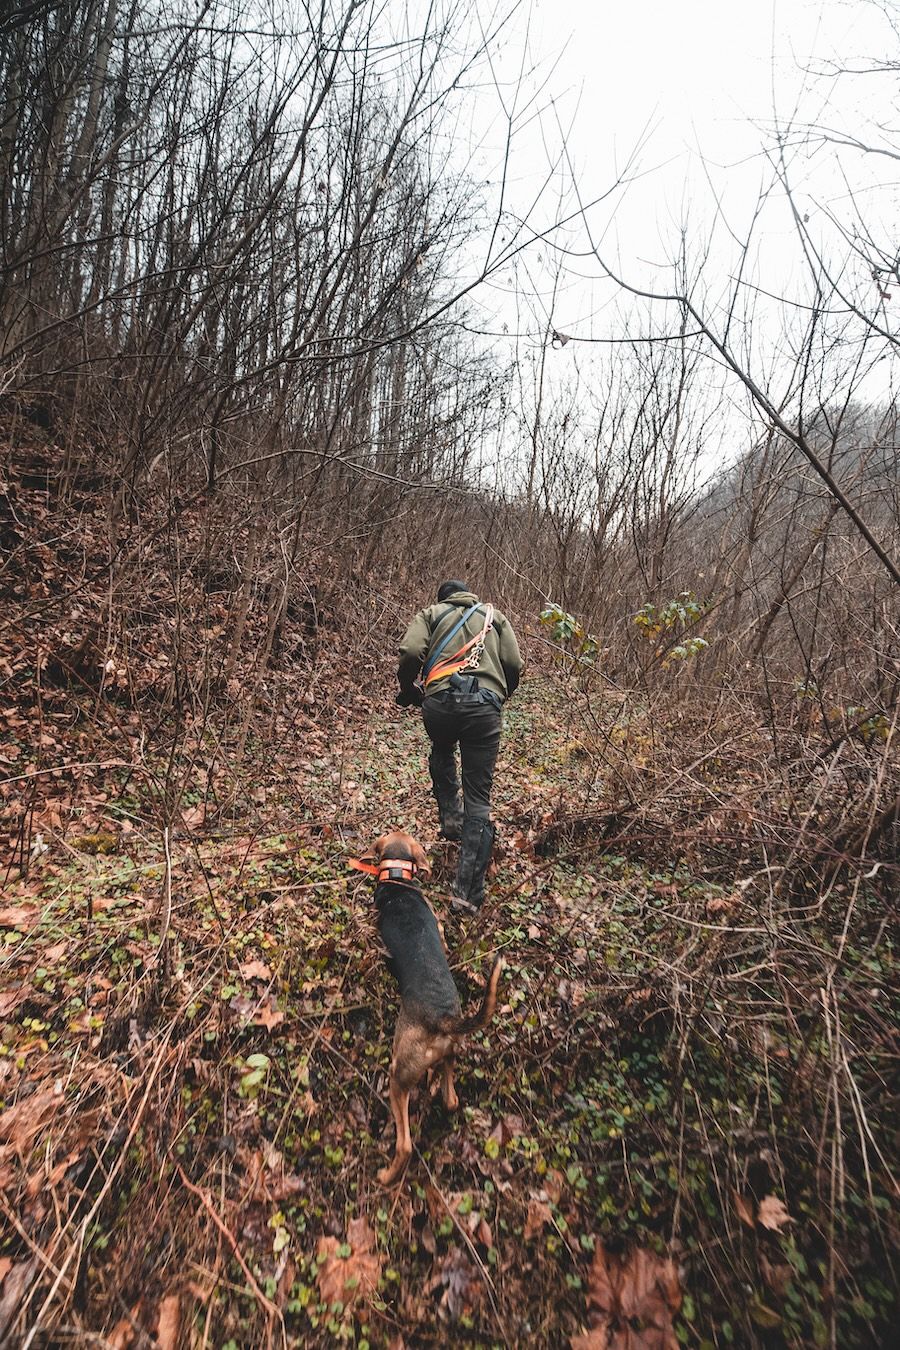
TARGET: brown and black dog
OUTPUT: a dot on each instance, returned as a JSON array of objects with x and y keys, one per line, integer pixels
[{"x": 430, "y": 1024}]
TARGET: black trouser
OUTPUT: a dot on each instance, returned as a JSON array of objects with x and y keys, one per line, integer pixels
[{"x": 472, "y": 721}]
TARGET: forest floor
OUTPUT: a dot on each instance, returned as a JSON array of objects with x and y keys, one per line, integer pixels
[{"x": 196, "y": 1027}]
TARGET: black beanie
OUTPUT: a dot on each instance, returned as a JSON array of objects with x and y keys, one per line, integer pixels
[{"x": 448, "y": 588}]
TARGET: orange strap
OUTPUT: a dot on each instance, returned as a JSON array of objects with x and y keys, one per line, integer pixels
[
  {"x": 452, "y": 665},
  {"x": 389, "y": 869}
]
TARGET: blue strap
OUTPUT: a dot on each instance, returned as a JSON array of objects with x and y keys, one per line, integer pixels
[{"x": 432, "y": 660}]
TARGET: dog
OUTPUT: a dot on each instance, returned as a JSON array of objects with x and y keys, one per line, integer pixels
[{"x": 431, "y": 1023}]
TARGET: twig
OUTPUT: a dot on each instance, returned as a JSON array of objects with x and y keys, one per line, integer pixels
[
  {"x": 167, "y": 912},
  {"x": 485, "y": 1275},
  {"x": 223, "y": 1228},
  {"x": 104, "y": 1190}
]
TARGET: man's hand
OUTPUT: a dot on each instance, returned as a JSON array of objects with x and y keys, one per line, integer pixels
[{"x": 409, "y": 698}]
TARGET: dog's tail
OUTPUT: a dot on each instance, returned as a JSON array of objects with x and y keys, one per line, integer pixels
[{"x": 488, "y": 1003}]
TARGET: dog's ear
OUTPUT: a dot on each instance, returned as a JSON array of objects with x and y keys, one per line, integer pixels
[
  {"x": 420, "y": 858},
  {"x": 375, "y": 852}
]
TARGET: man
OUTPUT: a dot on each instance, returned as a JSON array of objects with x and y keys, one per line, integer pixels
[{"x": 469, "y": 661}]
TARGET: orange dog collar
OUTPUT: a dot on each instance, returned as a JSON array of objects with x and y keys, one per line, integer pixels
[{"x": 389, "y": 869}]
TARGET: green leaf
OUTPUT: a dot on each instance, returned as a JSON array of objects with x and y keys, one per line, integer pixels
[{"x": 764, "y": 1316}]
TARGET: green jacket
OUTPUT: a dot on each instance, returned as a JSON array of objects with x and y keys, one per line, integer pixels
[{"x": 500, "y": 667}]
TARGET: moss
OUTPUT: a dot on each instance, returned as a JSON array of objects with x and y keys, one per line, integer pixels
[{"x": 101, "y": 842}]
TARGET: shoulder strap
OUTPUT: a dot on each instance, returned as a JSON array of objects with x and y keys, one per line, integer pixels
[
  {"x": 469, "y": 654},
  {"x": 433, "y": 656}
]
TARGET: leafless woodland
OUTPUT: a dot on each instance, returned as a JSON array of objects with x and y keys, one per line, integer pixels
[{"x": 250, "y": 415}]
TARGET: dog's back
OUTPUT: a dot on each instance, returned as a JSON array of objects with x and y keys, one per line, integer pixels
[
  {"x": 430, "y": 1023},
  {"x": 417, "y": 959}
]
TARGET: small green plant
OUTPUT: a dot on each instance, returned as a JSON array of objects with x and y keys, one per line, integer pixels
[
  {"x": 253, "y": 1075},
  {"x": 691, "y": 646},
  {"x": 674, "y": 617},
  {"x": 871, "y": 726},
  {"x": 571, "y": 635},
  {"x": 806, "y": 689}
]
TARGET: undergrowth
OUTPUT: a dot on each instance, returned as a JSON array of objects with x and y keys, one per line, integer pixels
[
  {"x": 657, "y": 1068},
  {"x": 694, "y": 1053}
]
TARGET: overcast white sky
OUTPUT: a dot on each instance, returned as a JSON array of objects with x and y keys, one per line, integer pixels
[
  {"x": 694, "y": 84},
  {"x": 692, "y": 88}
]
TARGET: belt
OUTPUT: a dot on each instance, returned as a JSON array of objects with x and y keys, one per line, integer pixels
[{"x": 482, "y": 694}]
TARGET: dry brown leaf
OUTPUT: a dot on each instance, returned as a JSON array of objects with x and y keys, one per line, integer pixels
[
  {"x": 10, "y": 999},
  {"x": 169, "y": 1322},
  {"x": 595, "y": 1339},
  {"x": 772, "y": 1213},
  {"x": 742, "y": 1209},
  {"x": 5, "y": 1266},
  {"x": 194, "y": 816},
  {"x": 638, "y": 1289},
  {"x": 602, "y": 1282},
  {"x": 101, "y": 903},
  {"x": 15, "y": 1287},
  {"x": 437, "y": 1207},
  {"x": 286, "y": 1185},
  {"x": 536, "y": 1219},
  {"x": 649, "y": 1283},
  {"x": 777, "y": 1276},
  {"x": 255, "y": 970},
  {"x": 21, "y": 1124},
  {"x": 59, "y": 1171},
  {"x": 121, "y": 1336},
  {"x": 533, "y": 931},
  {"x": 268, "y": 1017},
  {"x": 360, "y": 1235},
  {"x": 347, "y": 1279},
  {"x": 21, "y": 917},
  {"x": 283, "y": 1289},
  {"x": 484, "y": 1234},
  {"x": 463, "y": 1290},
  {"x": 553, "y": 1184},
  {"x": 18, "y": 1280},
  {"x": 52, "y": 954},
  {"x": 507, "y": 1128}
]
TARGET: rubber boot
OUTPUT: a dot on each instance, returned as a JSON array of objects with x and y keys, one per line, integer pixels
[{"x": 474, "y": 856}]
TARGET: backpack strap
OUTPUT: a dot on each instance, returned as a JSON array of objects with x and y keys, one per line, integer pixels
[
  {"x": 432, "y": 660},
  {"x": 468, "y": 655}
]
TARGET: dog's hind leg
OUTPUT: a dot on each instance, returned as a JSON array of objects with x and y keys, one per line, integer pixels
[
  {"x": 451, "y": 1101},
  {"x": 403, "y": 1147}
]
